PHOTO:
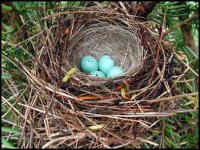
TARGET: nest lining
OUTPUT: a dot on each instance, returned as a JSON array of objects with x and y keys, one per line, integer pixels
[{"x": 103, "y": 38}]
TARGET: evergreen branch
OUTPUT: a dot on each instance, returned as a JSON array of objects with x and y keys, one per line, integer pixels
[{"x": 180, "y": 24}]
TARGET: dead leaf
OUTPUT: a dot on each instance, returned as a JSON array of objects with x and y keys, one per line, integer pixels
[
  {"x": 87, "y": 98},
  {"x": 69, "y": 74},
  {"x": 193, "y": 100},
  {"x": 123, "y": 93},
  {"x": 96, "y": 127}
]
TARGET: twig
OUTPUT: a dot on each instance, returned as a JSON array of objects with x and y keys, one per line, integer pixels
[
  {"x": 123, "y": 7},
  {"x": 60, "y": 93},
  {"x": 186, "y": 64},
  {"x": 162, "y": 144},
  {"x": 163, "y": 28},
  {"x": 80, "y": 12},
  {"x": 171, "y": 98},
  {"x": 136, "y": 115},
  {"x": 147, "y": 141},
  {"x": 124, "y": 144},
  {"x": 184, "y": 111},
  {"x": 18, "y": 44},
  {"x": 77, "y": 136},
  {"x": 176, "y": 81},
  {"x": 51, "y": 104},
  {"x": 32, "y": 137},
  {"x": 9, "y": 122},
  {"x": 38, "y": 110},
  {"x": 158, "y": 46},
  {"x": 26, "y": 116},
  {"x": 161, "y": 99},
  {"x": 12, "y": 105}
]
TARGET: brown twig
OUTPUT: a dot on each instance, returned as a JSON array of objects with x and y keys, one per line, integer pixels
[
  {"x": 158, "y": 46},
  {"x": 162, "y": 144},
  {"x": 76, "y": 136},
  {"x": 16, "y": 101},
  {"x": 146, "y": 7},
  {"x": 26, "y": 116},
  {"x": 171, "y": 98},
  {"x": 50, "y": 106}
]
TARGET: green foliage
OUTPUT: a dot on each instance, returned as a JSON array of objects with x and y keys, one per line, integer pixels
[
  {"x": 6, "y": 143},
  {"x": 5, "y": 128},
  {"x": 180, "y": 131},
  {"x": 5, "y": 76},
  {"x": 183, "y": 131},
  {"x": 6, "y": 8},
  {"x": 9, "y": 130}
]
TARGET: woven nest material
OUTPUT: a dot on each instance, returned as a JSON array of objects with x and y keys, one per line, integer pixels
[
  {"x": 99, "y": 39},
  {"x": 100, "y": 112}
]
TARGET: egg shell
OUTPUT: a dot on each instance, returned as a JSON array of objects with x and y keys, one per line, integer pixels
[
  {"x": 98, "y": 74},
  {"x": 115, "y": 72},
  {"x": 89, "y": 64},
  {"x": 106, "y": 63}
]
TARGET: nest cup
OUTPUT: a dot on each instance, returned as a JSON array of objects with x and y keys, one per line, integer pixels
[
  {"x": 98, "y": 39},
  {"x": 99, "y": 101}
]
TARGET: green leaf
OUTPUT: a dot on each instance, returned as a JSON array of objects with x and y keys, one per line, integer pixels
[
  {"x": 155, "y": 132},
  {"x": 156, "y": 21},
  {"x": 193, "y": 100},
  {"x": 5, "y": 76},
  {"x": 123, "y": 93},
  {"x": 10, "y": 130},
  {"x": 165, "y": 4},
  {"x": 96, "y": 127},
  {"x": 176, "y": 7},
  {"x": 172, "y": 133},
  {"x": 3, "y": 108},
  {"x": 146, "y": 145},
  {"x": 7, "y": 143},
  {"x": 157, "y": 12},
  {"x": 176, "y": 10},
  {"x": 172, "y": 143},
  {"x": 6, "y": 8},
  {"x": 16, "y": 5},
  {"x": 191, "y": 52},
  {"x": 7, "y": 28},
  {"x": 133, "y": 97}
]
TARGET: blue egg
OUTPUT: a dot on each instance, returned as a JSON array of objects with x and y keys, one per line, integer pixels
[
  {"x": 106, "y": 63},
  {"x": 97, "y": 74},
  {"x": 115, "y": 72},
  {"x": 89, "y": 64}
]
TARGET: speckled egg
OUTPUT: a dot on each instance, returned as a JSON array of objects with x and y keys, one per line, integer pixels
[
  {"x": 98, "y": 74},
  {"x": 115, "y": 72},
  {"x": 89, "y": 64},
  {"x": 106, "y": 63}
]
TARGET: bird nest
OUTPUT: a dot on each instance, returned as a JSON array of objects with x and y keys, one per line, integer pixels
[{"x": 92, "y": 112}]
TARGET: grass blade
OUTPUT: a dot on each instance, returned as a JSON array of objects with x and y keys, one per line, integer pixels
[
  {"x": 6, "y": 143},
  {"x": 9, "y": 130}
]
